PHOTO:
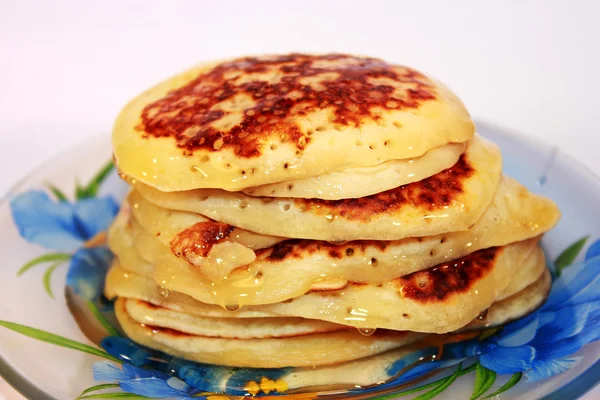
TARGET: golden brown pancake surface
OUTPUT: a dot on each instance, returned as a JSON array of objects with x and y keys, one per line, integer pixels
[
  {"x": 200, "y": 238},
  {"x": 198, "y": 115},
  {"x": 447, "y": 279}
]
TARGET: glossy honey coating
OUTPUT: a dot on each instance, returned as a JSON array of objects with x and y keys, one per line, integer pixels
[
  {"x": 384, "y": 305},
  {"x": 259, "y": 120}
]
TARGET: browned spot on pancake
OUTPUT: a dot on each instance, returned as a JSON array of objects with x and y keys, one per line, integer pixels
[
  {"x": 435, "y": 192},
  {"x": 335, "y": 253},
  {"x": 299, "y": 248},
  {"x": 444, "y": 280},
  {"x": 197, "y": 240},
  {"x": 241, "y": 104}
]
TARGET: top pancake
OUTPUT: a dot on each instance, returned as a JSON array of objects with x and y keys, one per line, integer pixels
[{"x": 259, "y": 120}]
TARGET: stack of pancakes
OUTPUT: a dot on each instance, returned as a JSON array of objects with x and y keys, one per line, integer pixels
[{"x": 303, "y": 210}]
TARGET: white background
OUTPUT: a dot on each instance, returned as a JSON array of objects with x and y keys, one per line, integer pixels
[{"x": 67, "y": 67}]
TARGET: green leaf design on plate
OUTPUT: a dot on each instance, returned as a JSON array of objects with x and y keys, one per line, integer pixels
[
  {"x": 43, "y": 259},
  {"x": 411, "y": 391},
  {"x": 99, "y": 387},
  {"x": 568, "y": 256},
  {"x": 79, "y": 190},
  {"x": 484, "y": 379},
  {"x": 56, "y": 340},
  {"x": 112, "y": 331},
  {"x": 439, "y": 382},
  {"x": 46, "y": 280},
  {"x": 117, "y": 395},
  {"x": 439, "y": 389},
  {"x": 511, "y": 382},
  {"x": 60, "y": 196},
  {"x": 91, "y": 189}
]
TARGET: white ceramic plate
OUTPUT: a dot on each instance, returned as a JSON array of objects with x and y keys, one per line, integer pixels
[{"x": 43, "y": 371}]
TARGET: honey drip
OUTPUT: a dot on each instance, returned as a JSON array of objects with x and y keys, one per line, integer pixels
[
  {"x": 367, "y": 331},
  {"x": 164, "y": 292},
  {"x": 232, "y": 307},
  {"x": 483, "y": 315}
]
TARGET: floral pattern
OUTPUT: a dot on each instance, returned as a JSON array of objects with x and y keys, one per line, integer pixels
[
  {"x": 540, "y": 345},
  {"x": 61, "y": 225},
  {"x": 536, "y": 347},
  {"x": 72, "y": 228},
  {"x": 144, "y": 382}
]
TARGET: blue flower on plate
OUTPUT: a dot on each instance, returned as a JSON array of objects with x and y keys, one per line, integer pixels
[
  {"x": 87, "y": 271},
  {"x": 75, "y": 230},
  {"x": 61, "y": 225},
  {"x": 542, "y": 344},
  {"x": 144, "y": 382},
  {"x": 205, "y": 378}
]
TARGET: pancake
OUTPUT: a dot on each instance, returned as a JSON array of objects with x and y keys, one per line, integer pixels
[
  {"x": 452, "y": 200},
  {"x": 142, "y": 312},
  {"x": 259, "y": 120},
  {"x": 261, "y": 283},
  {"x": 292, "y": 268},
  {"x": 165, "y": 224},
  {"x": 227, "y": 327},
  {"x": 438, "y": 300},
  {"x": 448, "y": 295},
  {"x": 375, "y": 369},
  {"x": 364, "y": 181},
  {"x": 516, "y": 306},
  {"x": 510, "y": 304},
  {"x": 127, "y": 284},
  {"x": 307, "y": 350},
  {"x": 530, "y": 272},
  {"x": 376, "y": 366}
]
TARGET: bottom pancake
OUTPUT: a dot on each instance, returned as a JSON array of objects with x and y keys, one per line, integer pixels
[{"x": 306, "y": 350}]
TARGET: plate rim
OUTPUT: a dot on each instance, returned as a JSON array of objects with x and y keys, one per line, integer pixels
[{"x": 576, "y": 388}]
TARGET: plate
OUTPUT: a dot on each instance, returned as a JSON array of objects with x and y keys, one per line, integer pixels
[{"x": 43, "y": 353}]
